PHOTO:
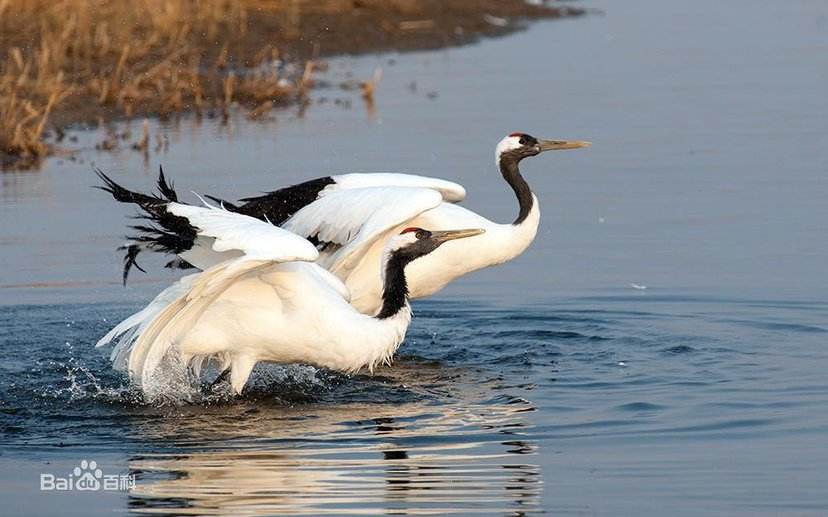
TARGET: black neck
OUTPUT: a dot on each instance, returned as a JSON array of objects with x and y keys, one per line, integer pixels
[
  {"x": 395, "y": 289},
  {"x": 511, "y": 173}
]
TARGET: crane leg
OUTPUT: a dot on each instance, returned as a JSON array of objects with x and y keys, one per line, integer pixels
[{"x": 240, "y": 369}]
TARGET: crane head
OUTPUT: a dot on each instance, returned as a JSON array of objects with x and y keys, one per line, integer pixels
[
  {"x": 412, "y": 243},
  {"x": 517, "y": 146}
]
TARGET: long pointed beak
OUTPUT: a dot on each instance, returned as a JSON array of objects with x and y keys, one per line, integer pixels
[
  {"x": 450, "y": 235},
  {"x": 557, "y": 145}
]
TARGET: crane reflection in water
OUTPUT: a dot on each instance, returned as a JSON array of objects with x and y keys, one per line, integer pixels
[{"x": 413, "y": 458}]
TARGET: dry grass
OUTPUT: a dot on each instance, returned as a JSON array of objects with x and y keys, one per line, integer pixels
[
  {"x": 110, "y": 59},
  {"x": 22, "y": 119}
]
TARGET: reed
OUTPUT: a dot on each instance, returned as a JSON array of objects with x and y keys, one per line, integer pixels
[{"x": 113, "y": 59}]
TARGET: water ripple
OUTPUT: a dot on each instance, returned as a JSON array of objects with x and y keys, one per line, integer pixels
[{"x": 464, "y": 421}]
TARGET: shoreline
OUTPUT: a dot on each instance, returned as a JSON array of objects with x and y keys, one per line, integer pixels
[{"x": 255, "y": 55}]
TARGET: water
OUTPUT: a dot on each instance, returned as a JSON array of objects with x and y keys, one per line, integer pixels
[{"x": 549, "y": 384}]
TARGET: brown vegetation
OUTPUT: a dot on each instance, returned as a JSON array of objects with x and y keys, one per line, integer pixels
[
  {"x": 64, "y": 61},
  {"x": 112, "y": 58}
]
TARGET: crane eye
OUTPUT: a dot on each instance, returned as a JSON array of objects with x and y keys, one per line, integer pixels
[
  {"x": 523, "y": 140},
  {"x": 419, "y": 233}
]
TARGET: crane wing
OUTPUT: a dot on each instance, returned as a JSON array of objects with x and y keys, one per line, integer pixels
[
  {"x": 171, "y": 234},
  {"x": 451, "y": 192},
  {"x": 351, "y": 220},
  {"x": 257, "y": 240}
]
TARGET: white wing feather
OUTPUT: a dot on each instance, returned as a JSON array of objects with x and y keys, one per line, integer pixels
[
  {"x": 131, "y": 328},
  {"x": 204, "y": 255},
  {"x": 330, "y": 279},
  {"x": 451, "y": 192},
  {"x": 158, "y": 337},
  {"x": 356, "y": 218},
  {"x": 258, "y": 240}
]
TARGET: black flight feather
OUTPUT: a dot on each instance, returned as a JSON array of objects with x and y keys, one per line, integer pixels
[{"x": 172, "y": 234}]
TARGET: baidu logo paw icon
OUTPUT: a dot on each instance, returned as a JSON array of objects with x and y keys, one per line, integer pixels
[{"x": 88, "y": 476}]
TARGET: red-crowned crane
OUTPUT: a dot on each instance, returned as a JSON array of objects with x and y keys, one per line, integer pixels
[
  {"x": 349, "y": 217},
  {"x": 268, "y": 303}
]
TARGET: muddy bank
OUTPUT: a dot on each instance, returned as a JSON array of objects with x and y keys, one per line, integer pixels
[
  {"x": 81, "y": 62},
  {"x": 371, "y": 25}
]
